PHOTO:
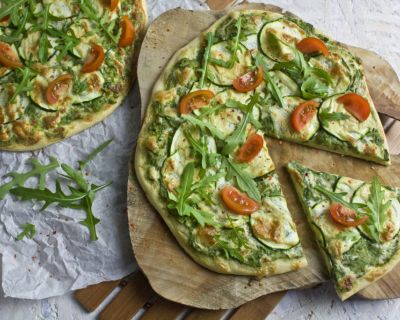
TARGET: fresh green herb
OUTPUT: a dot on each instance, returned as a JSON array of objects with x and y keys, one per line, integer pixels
[
  {"x": 229, "y": 64},
  {"x": 206, "y": 58},
  {"x": 243, "y": 179},
  {"x": 29, "y": 231},
  {"x": 202, "y": 217},
  {"x": 325, "y": 117},
  {"x": 338, "y": 198},
  {"x": 185, "y": 187},
  {"x": 24, "y": 84},
  {"x": 87, "y": 202},
  {"x": 376, "y": 210},
  {"x": 271, "y": 81},
  {"x": 180, "y": 201},
  {"x": 10, "y": 7},
  {"x": 18, "y": 179},
  {"x": 65, "y": 200},
  {"x": 239, "y": 135},
  {"x": 101, "y": 22},
  {"x": 94, "y": 153},
  {"x": 315, "y": 84},
  {"x": 206, "y": 181},
  {"x": 203, "y": 125},
  {"x": 200, "y": 147}
]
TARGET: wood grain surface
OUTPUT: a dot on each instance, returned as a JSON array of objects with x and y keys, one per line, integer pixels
[{"x": 155, "y": 249}]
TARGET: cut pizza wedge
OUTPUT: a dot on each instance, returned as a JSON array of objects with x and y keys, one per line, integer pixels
[{"x": 356, "y": 225}]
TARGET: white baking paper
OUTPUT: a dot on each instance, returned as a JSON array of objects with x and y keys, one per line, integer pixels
[{"x": 61, "y": 257}]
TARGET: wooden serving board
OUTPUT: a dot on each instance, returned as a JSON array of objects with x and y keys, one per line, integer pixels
[{"x": 172, "y": 273}]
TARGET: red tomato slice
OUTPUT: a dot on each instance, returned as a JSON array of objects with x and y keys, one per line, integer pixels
[
  {"x": 238, "y": 202},
  {"x": 195, "y": 100},
  {"x": 345, "y": 216},
  {"x": 113, "y": 4},
  {"x": 356, "y": 105},
  {"x": 5, "y": 19},
  {"x": 128, "y": 32},
  {"x": 249, "y": 81},
  {"x": 8, "y": 57},
  {"x": 250, "y": 149},
  {"x": 312, "y": 45},
  {"x": 303, "y": 114},
  {"x": 57, "y": 88},
  {"x": 94, "y": 60}
]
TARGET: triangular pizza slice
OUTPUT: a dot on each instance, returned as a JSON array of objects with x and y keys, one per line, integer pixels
[{"x": 356, "y": 225}]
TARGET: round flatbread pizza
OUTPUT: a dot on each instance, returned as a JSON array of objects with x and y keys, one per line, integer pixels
[{"x": 64, "y": 66}]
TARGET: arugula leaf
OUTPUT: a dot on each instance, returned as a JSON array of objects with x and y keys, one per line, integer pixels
[
  {"x": 185, "y": 190},
  {"x": 315, "y": 83},
  {"x": 206, "y": 57},
  {"x": 200, "y": 147},
  {"x": 20, "y": 178},
  {"x": 229, "y": 64},
  {"x": 25, "y": 84},
  {"x": 271, "y": 81},
  {"x": 94, "y": 153},
  {"x": 87, "y": 202},
  {"x": 243, "y": 179},
  {"x": 338, "y": 198},
  {"x": 29, "y": 231},
  {"x": 90, "y": 221},
  {"x": 206, "y": 181},
  {"x": 204, "y": 125},
  {"x": 101, "y": 22},
  {"x": 376, "y": 209},
  {"x": 9, "y": 8},
  {"x": 325, "y": 117},
  {"x": 185, "y": 187},
  {"x": 54, "y": 197},
  {"x": 202, "y": 217},
  {"x": 239, "y": 135}
]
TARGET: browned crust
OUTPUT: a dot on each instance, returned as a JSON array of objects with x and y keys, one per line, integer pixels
[{"x": 80, "y": 125}]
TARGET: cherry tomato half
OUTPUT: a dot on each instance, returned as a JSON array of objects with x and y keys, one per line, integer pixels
[
  {"x": 113, "y": 4},
  {"x": 249, "y": 81},
  {"x": 8, "y": 57},
  {"x": 303, "y": 114},
  {"x": 312, "y": 45},
  {"x": 356, "y": 105},
  {"x": 250, "y": 149},
  {"x": 128, "y": 32},
  {"x": 238, "y": 202},
  {"x": 195, "y": 100},
  {"x": 57, "y": 88},
  {"x": 345, "y": 216},
  {"x": 94, "y": 60}
]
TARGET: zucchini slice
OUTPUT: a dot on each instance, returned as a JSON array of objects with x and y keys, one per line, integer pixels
[
  {"x": 180, "y": 143},
  {"x": 93, "y": 84},
  {"x": 348, "y": 186},
  {"x": 29, "y": 47},
  {"x": 338, "y": 240},
  {"x": 274, "y": 231},
  {"x": 392, "y": 224},
  {"x": 222, "y": 76},
  {"x": 338, "y": 69},
  {"x": 282, "y": 127},
  {"x": 278, "y": 39},
  {"x": 350, "y": 129}
]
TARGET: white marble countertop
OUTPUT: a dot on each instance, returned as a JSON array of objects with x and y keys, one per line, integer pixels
[{"x": 370, "y": 24}]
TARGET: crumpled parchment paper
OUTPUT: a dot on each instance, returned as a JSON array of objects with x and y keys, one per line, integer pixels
[{"x": 61, "y": 257}]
